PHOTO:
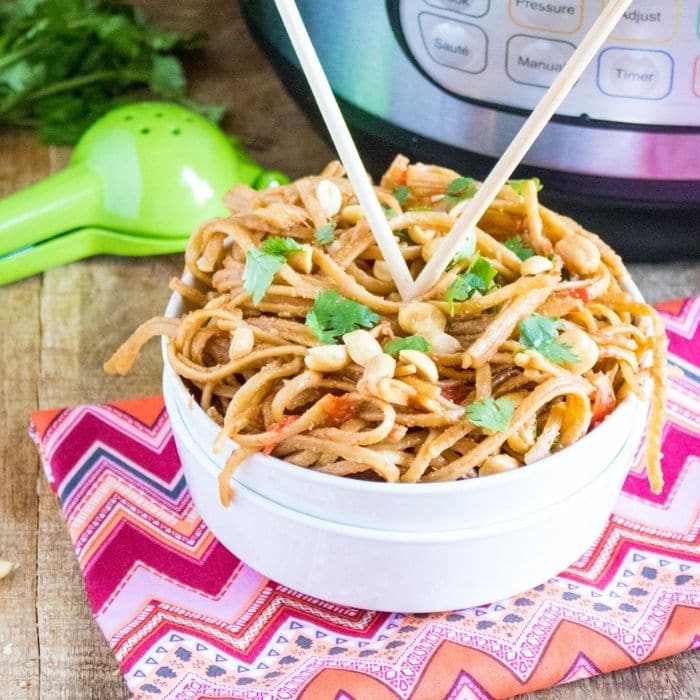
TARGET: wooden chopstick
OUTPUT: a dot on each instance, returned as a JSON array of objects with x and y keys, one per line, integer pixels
[
  {"x": 344, "y": 144},
  {"x": 520, "y": 145}
]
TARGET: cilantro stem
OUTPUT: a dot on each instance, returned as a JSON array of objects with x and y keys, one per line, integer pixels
[
  {"x": 20, "y": 54},
  {"x": 70, "y": 84},
  {"x": 83, "y": 80}
]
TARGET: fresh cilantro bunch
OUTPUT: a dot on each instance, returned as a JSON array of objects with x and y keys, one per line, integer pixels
[
  {"x": 477, "y": 278},
  {"x": 460, "y": 188},
  {"x": 262, "y": 263},
  {"x": 518, "y": 185},
  {"x": 410, "y": 342},
  {"x": 491, "y": 414},
  {"x": 332, "y": 315},
  {"x": 540, "y": 333},
  {"x": 64, "y": 63},
  {"x": 517, "y": 245}
]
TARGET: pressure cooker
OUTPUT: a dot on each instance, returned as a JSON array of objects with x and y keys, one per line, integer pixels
[{"x": 452, "y": 81}]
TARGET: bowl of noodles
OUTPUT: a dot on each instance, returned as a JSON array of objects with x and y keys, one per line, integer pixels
[{"x": 468, "y": 443}]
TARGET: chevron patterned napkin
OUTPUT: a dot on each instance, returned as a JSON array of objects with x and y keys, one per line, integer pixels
[{"x": 186, "y": 619}]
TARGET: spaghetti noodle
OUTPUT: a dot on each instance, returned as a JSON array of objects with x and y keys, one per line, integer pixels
[{"x": 297, "y": 344}]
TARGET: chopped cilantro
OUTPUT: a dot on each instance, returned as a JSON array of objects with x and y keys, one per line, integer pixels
[
  {"x": 477, "y": 278},
  {"x": 460, "y": 188},
  {"x": 280, "y": 246},
  {"x": 540, "y": 333},
  {"x": 388, "y": 212},
  {"x": 332, "y": 315},
  {"x": 516, "y": 245},
  {"x": 401, "y": 193},
  {"x": 262, "y": 263},
  {"x": 326, "y": 234},
  {"x": 517, "y": 185},
  {"x": 559, "y": 353},
  {"x": 411, "y": 342},
  {"x": 491, "y": 414}
]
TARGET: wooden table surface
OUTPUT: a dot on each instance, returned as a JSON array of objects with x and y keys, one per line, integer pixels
[{"x": 57, "y": 329}]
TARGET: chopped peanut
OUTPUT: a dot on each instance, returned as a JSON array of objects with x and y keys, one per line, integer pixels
[
  {"x": 583, "y": 345},
  {"x": 329, "y": 197},
  {"x": 498, "y": 464},
  {"x": 242, "y": 342},
  {"x": 421, "y": 318},
  {"x": 362, "y": 346},
  {"x": 327, "y": 358},
  {"x": 535, "y": 265},
  {"x": 578, "y": 254}
]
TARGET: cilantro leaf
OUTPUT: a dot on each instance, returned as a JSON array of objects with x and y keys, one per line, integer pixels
[
  {"x": 559, "y": 352},
  {"x": 491, "y": 414},
  {"x": 410, "y": 342},
  {"x": 537, "y": 330},
  {"x": 477, "y": 278},
  {"x": 332, "y": 315},
  {"x": 401, "y": 193},
  {"x": 516, "y": 245},
  {"x": 517, "y": 185},
  {"x": 460, "y": 188},
  {"x": 262, "y": 263},
  {"x": 540, "y": 333},
  {"x": 280, "y": 246},
  {"x": 388, "y": 212},
  {"x": 259, "y": 270},
  {"x": 326, "y": 234}
]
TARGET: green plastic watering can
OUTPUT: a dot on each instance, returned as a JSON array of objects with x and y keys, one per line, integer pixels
[{"x": 141, "y": 179}]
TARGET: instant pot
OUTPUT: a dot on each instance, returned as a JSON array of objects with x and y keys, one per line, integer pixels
[{"x": 452, "y": 81}]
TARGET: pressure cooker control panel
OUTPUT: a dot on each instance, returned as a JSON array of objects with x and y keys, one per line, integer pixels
[{"x": 507, "y": 52}]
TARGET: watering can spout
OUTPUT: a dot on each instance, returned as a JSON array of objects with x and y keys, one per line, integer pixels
[{"x": 62, "y": 202}]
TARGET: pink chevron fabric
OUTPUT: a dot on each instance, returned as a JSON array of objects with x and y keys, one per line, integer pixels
[{"x": 186, "y": 619}]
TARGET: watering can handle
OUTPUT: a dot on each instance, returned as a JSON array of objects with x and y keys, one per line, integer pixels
[{"x": 64, "y": 201}]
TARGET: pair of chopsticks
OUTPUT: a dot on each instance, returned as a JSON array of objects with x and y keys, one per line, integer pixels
[{"x": 491, "y": 186}]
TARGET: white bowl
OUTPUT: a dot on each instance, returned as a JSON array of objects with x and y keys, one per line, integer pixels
[
  {"x": 429, "y": 507},
  {"x": 406, "y": 547},
  {"x": 392, "y": 570}
]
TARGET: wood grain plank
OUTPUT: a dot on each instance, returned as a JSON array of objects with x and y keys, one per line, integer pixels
[
  {"x": 87, "y": 309},
  {"x": 22, "y": 163}
]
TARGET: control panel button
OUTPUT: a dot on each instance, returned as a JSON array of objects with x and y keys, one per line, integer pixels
[
  {"x": 636, "y": 73},
  {"x": 535, "y": 61},
  {"x": 455, "y": 44},
  {"x": 648, "y": 20},
  {"x": 473, "y": 8},
  {"x": 565, "y": 16},
  {"x": 696, "y": 77}
]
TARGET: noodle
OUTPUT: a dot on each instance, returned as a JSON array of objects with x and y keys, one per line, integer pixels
[{"x": 517, "y": 350}]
